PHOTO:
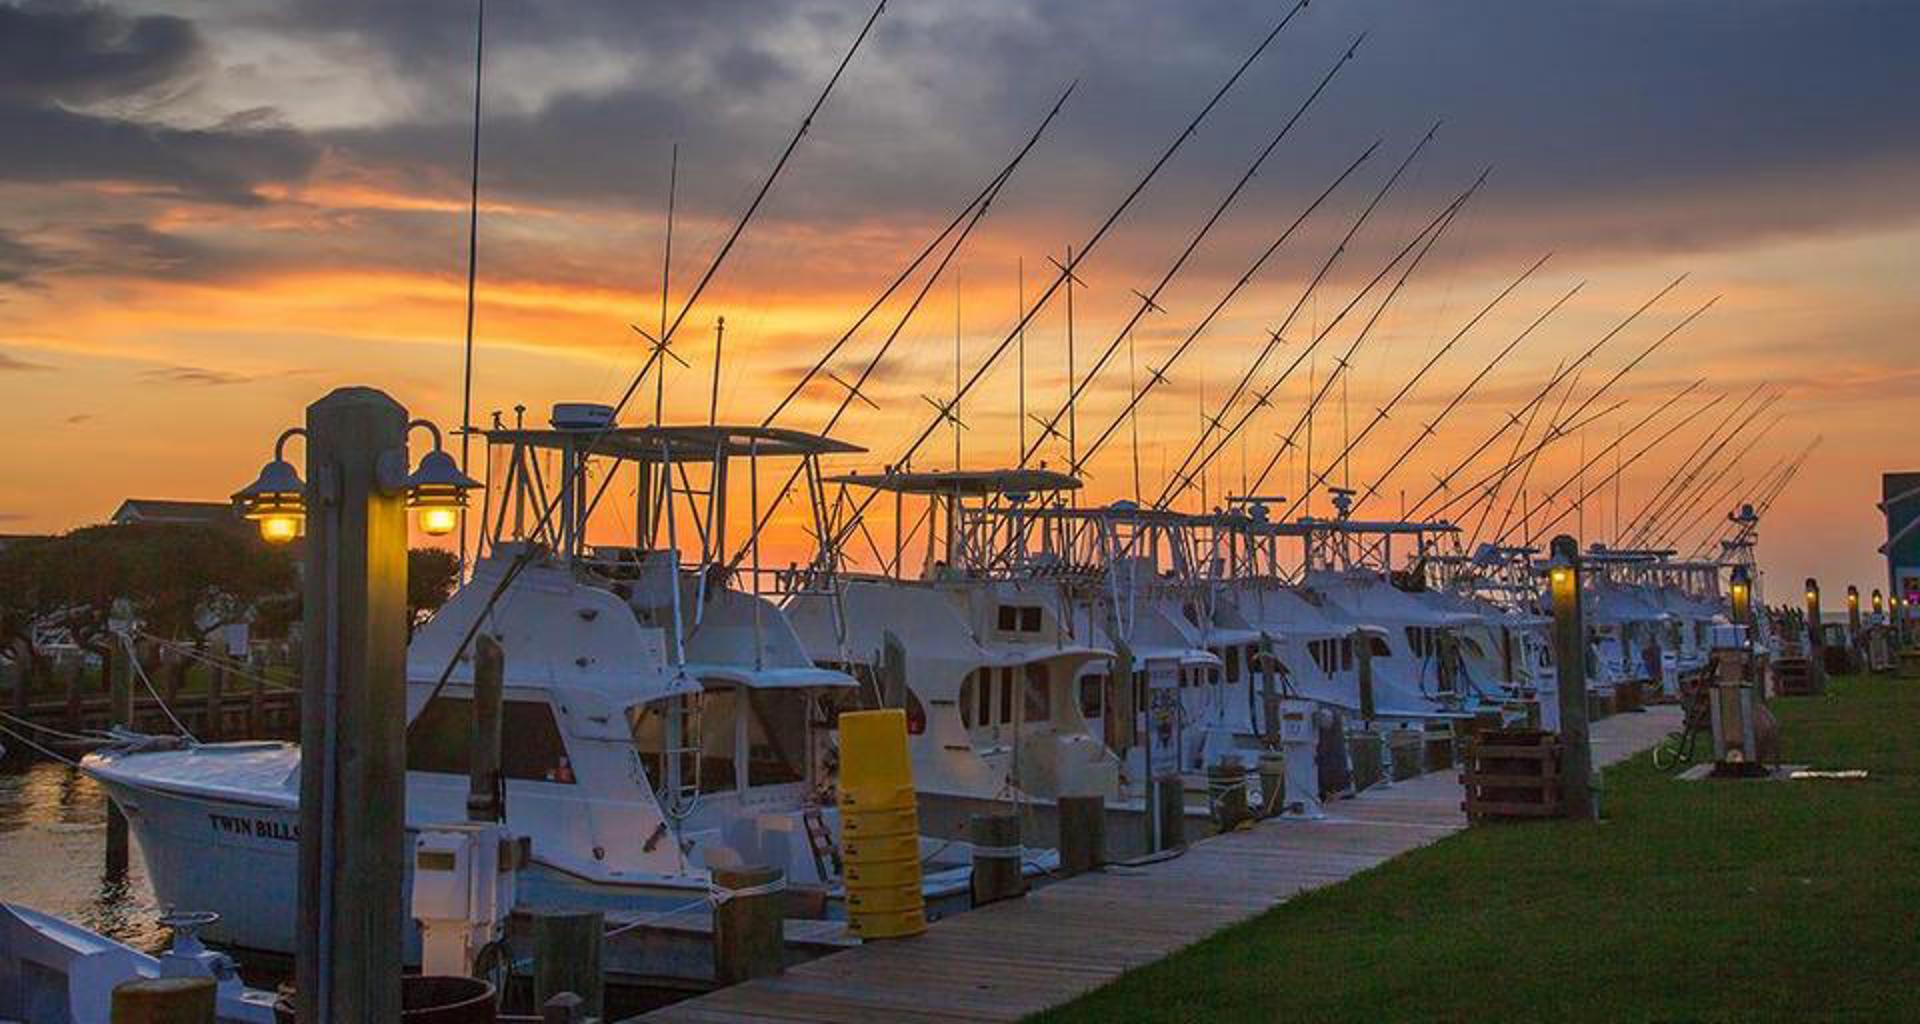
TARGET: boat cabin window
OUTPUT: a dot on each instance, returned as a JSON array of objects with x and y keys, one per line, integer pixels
[
  {"x": 1038, "y": 693},
  {"x": 532, "y": 751},
  {"x": 1092, "y": 689},
  {"x": 1019, "y": 618},
  {"x": 711, "y": 737},
  {"x": 976, "y": 698},
  {"x": 1424, "y": 641},
  {"x": 1231, "y": 656},
  {"x": 776, "y": 723},
  {"x": 1334, "y": 654},
  {"x": 1006, "y": 696}
]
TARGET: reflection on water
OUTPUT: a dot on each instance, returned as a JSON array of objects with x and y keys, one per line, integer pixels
[{"x": 53, "y": 833}]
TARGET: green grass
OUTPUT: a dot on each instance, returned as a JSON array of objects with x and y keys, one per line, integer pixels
[{"x": 1690, "y": 901}]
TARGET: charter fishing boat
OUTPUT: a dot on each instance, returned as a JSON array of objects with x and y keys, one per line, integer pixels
[{"x": 661, "y": 718}]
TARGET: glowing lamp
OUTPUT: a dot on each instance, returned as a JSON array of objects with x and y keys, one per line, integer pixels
[
  {"x": 437, "y": 491},
  {"x": 276, "y": 499}
]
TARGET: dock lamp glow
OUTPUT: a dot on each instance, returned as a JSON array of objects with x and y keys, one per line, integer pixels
[
  {"x": 1740, "y": 595},
  {"x": 437, "y": 490},
  {"x": 1853, "y": 609},
  {"x": 276, "y": 499},
  {"x": 1879, "y": 606},
  {"x": 1813, "y": 613}
]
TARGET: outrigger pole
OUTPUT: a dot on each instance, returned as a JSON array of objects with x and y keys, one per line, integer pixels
[
  {"x": 598, "y": 437},
  {"x": 1683, "y": 471},
  {"x": 1277, "y": 336},
  {"x": 1445, "y": 480},
  {"x": 1149, "y": 301},
  {"x": 1685, "y": 489},
  {"x": 1428, "y": 429},
  {"x": 974, "y": 212},
  {"x": 1436, "y": 231},
  {"x": 1156, "y": 376},
  {"x": 1384, "y": 411},
  {"x": 1675, "y": 523},
  {"x": 1065, "y": 273}
]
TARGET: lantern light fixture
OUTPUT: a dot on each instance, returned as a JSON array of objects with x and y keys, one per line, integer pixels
[{"x": 276, "y": 499}]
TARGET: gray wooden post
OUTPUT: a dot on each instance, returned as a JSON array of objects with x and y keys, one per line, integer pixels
[
  {"x": 1083, "y": 833},
  {"x": 749, "y": 937},
  {"x": 1570, "y": 665},
  {"x": 1166, "y": 811},
  {"x": 352, "y": 907},
  {"x": 484, "y": 787},
  {"x": 996, "y": 858},
  {"x": 566, "y": 956},
  {"x": 119, "y": 668}
]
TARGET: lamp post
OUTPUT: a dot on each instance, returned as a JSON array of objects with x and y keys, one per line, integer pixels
[
  {"x": 1853, "y": 611},
  {"x": 1813, "y": 619},
  {"x": 1879, "y": 607},
  {"x": 352, "y": 909},
  {"x": 1740, "y": 596},
  {"x": 1570, "y": 667}
]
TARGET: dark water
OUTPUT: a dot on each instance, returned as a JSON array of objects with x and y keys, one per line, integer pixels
[{"x": 53, "y": 830}]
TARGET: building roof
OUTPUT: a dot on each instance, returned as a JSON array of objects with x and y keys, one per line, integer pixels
[{"x": 162, "y": 510}]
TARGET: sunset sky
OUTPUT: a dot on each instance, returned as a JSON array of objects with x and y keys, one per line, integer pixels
[{"x": 213, "y": 212}]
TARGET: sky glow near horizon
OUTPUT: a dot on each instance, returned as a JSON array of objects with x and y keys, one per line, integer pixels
[{"x": 211, "y": 214}]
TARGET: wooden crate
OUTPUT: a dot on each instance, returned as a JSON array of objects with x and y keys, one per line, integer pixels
[
  {"x": 1513, "y": 773},
  {"x": 1794, "y": 677}
]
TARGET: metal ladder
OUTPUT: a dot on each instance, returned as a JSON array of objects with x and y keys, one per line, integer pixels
[
  {"x": 681, "y": 797},
  {"x": 820, "y": 843}
]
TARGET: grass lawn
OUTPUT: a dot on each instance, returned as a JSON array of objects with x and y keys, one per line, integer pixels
[{"x": 1690, "y": 901}]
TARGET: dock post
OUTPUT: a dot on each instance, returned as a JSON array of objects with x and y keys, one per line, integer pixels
[
  {"x": 1816, "y": 639},
  {"x": 749, "y": 936},
  {"x": 566, "y": 956},
  {"x": 484, "y": 790},
  {"x": 119, "y": 668},
  {"x": 1227, "y": 793},
  {"x": 1570, "y": 666},
  {"x": 1166, "y": 813},
  {"x": 164, "y": 1001},
  {"x": 353, "y": 843},
  {"x": 996, "y": 858},
  {"x": 1083, "y": 833}
]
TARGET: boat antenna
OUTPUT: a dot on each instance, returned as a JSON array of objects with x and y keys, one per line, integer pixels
[
  {"x": 473, "y": 265},
  {"x": 599, "y": 435},
  {"x": 666, "y": 282},
  {"x": 1020, "y": 308},
  {"x": 713, "y": 402}
]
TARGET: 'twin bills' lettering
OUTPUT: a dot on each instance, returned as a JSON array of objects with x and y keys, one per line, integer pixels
[{"x": 263, "y": 828}]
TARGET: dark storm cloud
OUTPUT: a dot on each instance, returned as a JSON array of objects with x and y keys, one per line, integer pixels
[
  {"x": 55, "y": 59},
  {"x": 1630, "y": 124}
]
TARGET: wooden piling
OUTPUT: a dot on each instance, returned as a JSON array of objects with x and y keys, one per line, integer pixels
[
  {"x": 566, "y": 956},
  {"x": 484, "y": 790},
  {"x": 996, "y": 858},
  {"x": 1227, "y": 793},
  {"x": 353, "y": 844},
  {"x": 1083, "y": 833},
  {"x": 1167, "y": 812},
  {"x": 119, "y": 668},
  {"x": 164, "y": 1001},
  {"x": 1570, "y": 666},
  {"x": 749, "y": 938}
]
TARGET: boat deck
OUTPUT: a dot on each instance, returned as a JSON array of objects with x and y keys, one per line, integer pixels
[{"x": 1006, "y": 961}]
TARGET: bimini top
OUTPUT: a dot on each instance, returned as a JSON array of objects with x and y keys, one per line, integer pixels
[
  {"x": 972, "y": 483},
  {"x": 697, "y": 443}
]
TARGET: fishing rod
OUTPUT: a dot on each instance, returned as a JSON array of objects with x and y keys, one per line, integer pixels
[
  {"x": 1276, "y": 337},
  {"x": 1342, "y": 362},
  {"x": 1149, "y": 301},
  {"x": 1381, "y": 414},
  {"x": 1620, "y": 468},
  {"x": 1669, "y": 526},
  {"x": 1766, "y": 496},
  {"x": 1749, "y": 485},
  {"x": 855, "y": 390},
  {"x": 1159, "y": 375},
  {"x": 1666, "y": 516},
  {"x": 1445, "y": 480},
  {"x": 1087, "y": 249},
  {"x": 659, "y": 350},
  {"x": 1182, "y": 479},
  {"x": 1673, "y": 483},
  {"x": 1428, "y": 429}
]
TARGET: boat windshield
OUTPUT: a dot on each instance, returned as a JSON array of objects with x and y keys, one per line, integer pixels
[{"x": 716, "y": 742}]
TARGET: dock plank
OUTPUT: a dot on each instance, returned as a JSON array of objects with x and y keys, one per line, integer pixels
[{"x": 1006, "y": 961}]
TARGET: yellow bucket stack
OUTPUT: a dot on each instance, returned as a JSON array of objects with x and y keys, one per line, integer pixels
[{"x": 879, "y": 826}]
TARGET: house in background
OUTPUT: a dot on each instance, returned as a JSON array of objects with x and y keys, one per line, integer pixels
[{"x": 178, "y": 513}]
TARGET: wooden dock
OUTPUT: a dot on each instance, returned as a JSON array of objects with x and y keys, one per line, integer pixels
[{"x": 1006, "y": 961}]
